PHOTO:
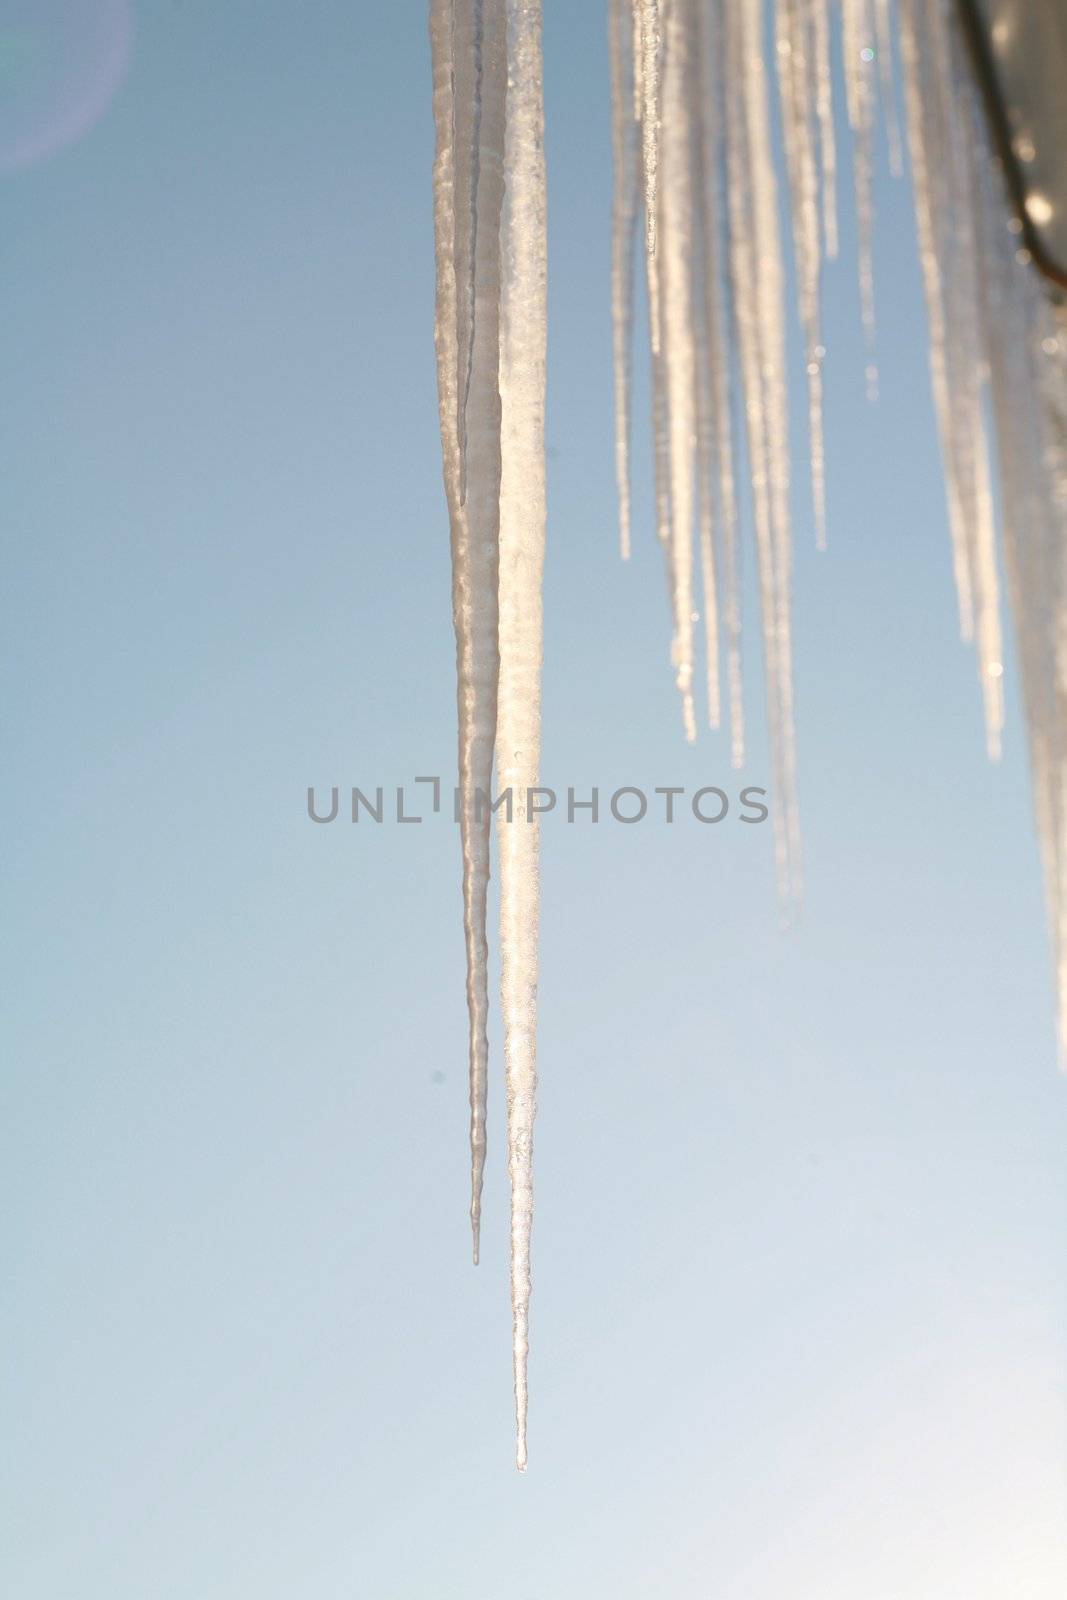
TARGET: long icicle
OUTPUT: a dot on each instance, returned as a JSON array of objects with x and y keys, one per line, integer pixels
[
  {"x": 883, "y": 22},
  {"x": 857, "y": 41},
  {"x": 468, "y": 276},
  {"x": 823, "y": 96},
  {"x": 994, "y": 329},
  {"x": 720, "y": 359},
  {"x": 709, "y": 495},
  {"x": 795, "y": 82},
  {"x": 651, "y": 43},
  {"x": 756, "y": 280},
  {"x": 522, "y": 540},
  {"x": 623, "y": 221},
  {"x": 675, "y": 249}
]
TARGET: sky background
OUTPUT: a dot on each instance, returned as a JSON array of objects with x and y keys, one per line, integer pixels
[{"x": 799, "y": 1301}]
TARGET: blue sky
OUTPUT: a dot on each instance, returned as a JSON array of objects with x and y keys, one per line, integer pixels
[{"x": 799, "y": 1298}]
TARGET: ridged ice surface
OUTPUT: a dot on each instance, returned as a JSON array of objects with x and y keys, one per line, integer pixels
[
  {"x": 470, "y": 76},
  {"x": 490, "y": 338},
  {"x": 693, "y": 134},
  {"x": 522, "y": 545}
]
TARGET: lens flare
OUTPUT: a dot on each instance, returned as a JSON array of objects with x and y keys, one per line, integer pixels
[{"x": 61, "y": 62}]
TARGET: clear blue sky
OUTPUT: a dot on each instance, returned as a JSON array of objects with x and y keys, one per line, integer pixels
[{"x": 799, "y": 1291}]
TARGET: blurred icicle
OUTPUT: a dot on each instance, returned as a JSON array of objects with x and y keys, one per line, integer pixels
[
  {"x": 649, "y": 38},
  {"x": 858, "y": 47},
  {"x": 883, "y": 21},
  {"x": 623, "y": 225},
  {"x": 822, "y": 94},
  {"x": 799, "y": 107}
]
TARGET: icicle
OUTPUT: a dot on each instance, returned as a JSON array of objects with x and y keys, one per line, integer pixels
[
  {"x": 623, "y": 220},
  {"x": 926, "y": 213},
  {"x": 795, "y": 81},
  {"x": 660, "y": 429},
  {"x": 677, "y": 342},
  {"x": 713, "y": 258},
  {"x": 942, "y": 141},
  {"x": 756, "y": 275},
  {"x": 716, "y": 361},
  {"x": 463, "y": 341},
  {"x": 858, "y": 49},
  {"x": 883, "y": 21},
  {"x": 994, "y": 329},
  {"x": 704, "y": 273},
  {"x": 1027, "y": 353},
  {"x": 823, "y": 97},
  {"x": 651, "y": 50},
  {"x": 522, "y": 533}
]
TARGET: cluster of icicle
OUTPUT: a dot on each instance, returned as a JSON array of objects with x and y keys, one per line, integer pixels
[
  {"x": 692, "y": 120},
  {"x": 489, "y": 231},
  {"x": 998, "y": 363},
  {"x": 692, "y": 117},
  {"x": 693, "y": 149}
]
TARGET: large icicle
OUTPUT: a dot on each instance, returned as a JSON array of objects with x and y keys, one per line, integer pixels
[
  {"x": 623, "y": 220},
  {"x": 522, "y": 536},
  {"x": 467, "y": 41}
]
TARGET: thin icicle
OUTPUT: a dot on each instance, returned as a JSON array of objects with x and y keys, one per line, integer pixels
[
  {"x": 704, "y": 269},
  {"x": 462, "y": 341},
  {"x": 623, "y": 221},
  {"x": 637, "y": 50},
  {"x": 795, "y": 81},
  {"x": 660, "y": 422},
  {"x": 522, "y": 535},
  {"x": 822, "y": 94},
  {"x": 756, "y": 275},
  {"x": 883, "y": 20},
  {"x": 942, "y": 140},
  {"x": 677, "y": 341},
  {"x": 916, "y": 84},
  {"x": 857, "y": 39},
  {"x": 651, "y": 53},
  {"x": 770, "y": 297},
  {"x": 717, "y": 358}
]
